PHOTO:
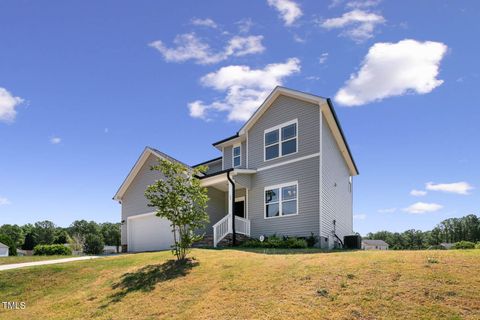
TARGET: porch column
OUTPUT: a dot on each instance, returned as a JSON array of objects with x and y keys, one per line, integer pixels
[{"x": 230, "y": 204}]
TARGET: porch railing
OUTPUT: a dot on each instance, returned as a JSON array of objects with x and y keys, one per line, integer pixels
[{"x": 224, "y": 227}]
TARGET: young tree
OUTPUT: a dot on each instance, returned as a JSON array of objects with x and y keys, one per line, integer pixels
[{"x": 181, "y": 199}]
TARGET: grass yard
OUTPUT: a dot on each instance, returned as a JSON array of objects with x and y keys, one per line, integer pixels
[
  {"x": 235, "y": 284},
  {"x": 19, "y": 259}
]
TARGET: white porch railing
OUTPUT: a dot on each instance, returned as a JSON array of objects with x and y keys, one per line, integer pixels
[{"x": 224, "y": 227}]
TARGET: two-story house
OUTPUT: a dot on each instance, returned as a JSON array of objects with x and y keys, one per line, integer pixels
[{"x": 287, "y": 171}]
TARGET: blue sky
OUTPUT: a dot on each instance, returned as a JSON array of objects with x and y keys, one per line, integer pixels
[{"x": 85, "y": 86}]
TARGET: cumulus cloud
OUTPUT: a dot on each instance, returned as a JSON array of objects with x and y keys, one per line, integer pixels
[
  {"x": 418, "y": 193},
  {"x": 8, "y": 104},
  {"x": 4, "y": 201},
  {"x": 204, "y": 23},
  {"x": 387, "y": 210},
  {"x": 55, "y": 140},
  {"x": 288, "y": 9},
  {"x": 393, "y": 69},
  {"x": 358, "y": 25},
  {"x": 360, "y": 216},
  {"x": 245, "y": 89},
  {"x": 456, "y": 187},
  {"x": 189, "y": 47},
  {"x": 244, "y": 25},
  {"x": 423, "y": 207}
]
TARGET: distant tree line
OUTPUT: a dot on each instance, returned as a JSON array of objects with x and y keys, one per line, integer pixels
[
  {"x": 81, "y": 235},
  {"x": 451, "y": 230}
]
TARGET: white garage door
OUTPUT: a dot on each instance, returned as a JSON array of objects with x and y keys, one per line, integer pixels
[{"x": 148, "y": 232}]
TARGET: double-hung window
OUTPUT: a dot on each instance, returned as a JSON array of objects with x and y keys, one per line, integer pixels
[
  {"x": 236, "y": 156},
  {"x": 281, "y": 140},
  {"x": 281, "y": 200}
]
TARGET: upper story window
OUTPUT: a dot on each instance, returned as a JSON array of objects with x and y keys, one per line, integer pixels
[
  {"x": 281, "y": 140},
  {"x": 236, "y": 156}
]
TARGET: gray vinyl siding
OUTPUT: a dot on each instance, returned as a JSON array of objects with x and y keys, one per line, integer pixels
[
  {"x": 336, "y": 197},
  {"x": 306, "y": 172},
  {"x": 216, "y": 208},
  {"x": 227, "y": 156},
  {"x": 215, "y": 166},
  {"x": 133, "y": 201},
  {"x": 282, "y": 110}
]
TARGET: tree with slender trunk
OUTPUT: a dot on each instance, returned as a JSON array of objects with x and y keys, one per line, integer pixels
[{"x": 180, "y": 198}]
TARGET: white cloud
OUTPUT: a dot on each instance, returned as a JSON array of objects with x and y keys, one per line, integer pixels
[
  {"x": 204, "y": 23},
  {"x": 456, "y": 187},
  {"x": 8, "y": 103},
  {"x": 418, "y": 193},
  {"x": 245, "y": 89},
  {"x": 4, "y": 201},
  {"x": 323, "y": 58},
  {"x": 244, "y": 25},
  {"x": 387, "y": 210},
  {"x": 392, "y": 69},
  {"x": 362, "y": 3},
  {"x": 359, "y": 25},
  {"x": 423, "y": 207},
  {"x": 55, "y": 140},
  {"x": 189, "y": 47},
  {"x": 299, "y": 39},
  {"x": 359, "y": 216},
  {"x": 288, "y": 9}
]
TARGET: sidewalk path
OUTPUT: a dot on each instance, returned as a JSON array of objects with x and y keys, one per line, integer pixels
[{"x": 41, "y": 263}]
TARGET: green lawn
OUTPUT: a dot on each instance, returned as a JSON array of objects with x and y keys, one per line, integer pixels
[
  {"x": 19, "y": 259},
  {"x": 253, "y": 284}
]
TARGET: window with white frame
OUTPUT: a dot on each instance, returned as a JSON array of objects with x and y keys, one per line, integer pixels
[
  {"x": 281, "y": 140},
  {"x": 236, "y": 156},
  {"x": 281, "y": 200}
]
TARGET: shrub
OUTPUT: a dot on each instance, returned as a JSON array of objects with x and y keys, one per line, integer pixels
[
  {"x": 477, "y": 246},
  {"x": 464, "y": 245},
  {"x": 276, "y": 242},
  {"x": 6, "y": 240},
  {"x": 93, "y": 244},
  {"x": 311, "y": 240},
  {"x": 52, "y": 250}
]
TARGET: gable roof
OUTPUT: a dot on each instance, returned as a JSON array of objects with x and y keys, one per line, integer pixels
[
  {"x": 328, "y": 112},
  {"x": 375, "y": 242},
  {"x": 138, "y": 165},
  {"x": 3, "y": 245},
  {"x": 208, "y": 161}
]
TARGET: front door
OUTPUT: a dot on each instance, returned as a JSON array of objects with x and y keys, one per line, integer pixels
[{"x": 239, "y": 208}]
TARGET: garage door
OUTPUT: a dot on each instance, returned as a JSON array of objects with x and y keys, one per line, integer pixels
[{"x": 148, "y": 232}]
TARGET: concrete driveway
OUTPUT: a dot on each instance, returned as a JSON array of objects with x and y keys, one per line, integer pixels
[{"x": 42, "y": 263}]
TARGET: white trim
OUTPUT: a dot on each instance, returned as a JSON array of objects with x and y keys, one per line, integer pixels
[
  {"x": 246, "y": 203},
  {"x": 237, "y": 145},
  {"x": 320, "y": 187},
  {"x": 142, "y": 215},
  {"x": 280, "y": 200},
  {"x": 313, "y": 155},
  {"x": 223, "y": 156},
  {"x": 246, "y": 150},
  {"x": 280, "y": 141}
]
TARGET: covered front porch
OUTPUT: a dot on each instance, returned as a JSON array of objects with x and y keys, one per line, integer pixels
[{"x": 228, "y": 204}]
